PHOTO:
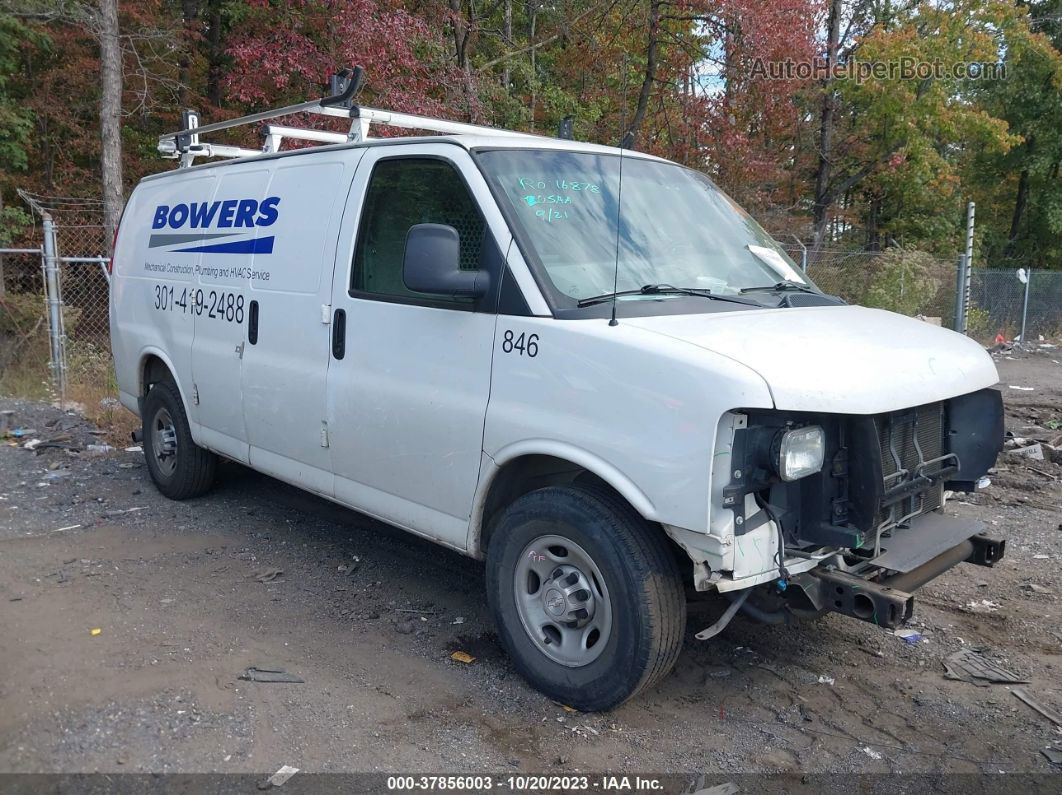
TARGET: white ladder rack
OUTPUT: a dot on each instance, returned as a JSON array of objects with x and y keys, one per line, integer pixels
[{"x": 185, "y": 144}]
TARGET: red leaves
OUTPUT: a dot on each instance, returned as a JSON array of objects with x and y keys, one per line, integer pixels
[{"x": 291, "y": 58}]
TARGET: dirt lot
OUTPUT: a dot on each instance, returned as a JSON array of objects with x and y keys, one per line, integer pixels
[{"x": 369, "y": 616}]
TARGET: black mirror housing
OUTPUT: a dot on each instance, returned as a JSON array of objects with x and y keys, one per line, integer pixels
[{"x": 432, "y": 264}]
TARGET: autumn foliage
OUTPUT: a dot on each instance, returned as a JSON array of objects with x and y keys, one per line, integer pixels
[{"x": 837, "y": 162}]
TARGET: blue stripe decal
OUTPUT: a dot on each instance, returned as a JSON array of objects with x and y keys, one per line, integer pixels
[{"x": 258, "y": 245}]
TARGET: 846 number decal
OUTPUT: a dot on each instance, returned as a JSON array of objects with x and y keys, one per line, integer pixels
[{"x": 524, "y": 344}]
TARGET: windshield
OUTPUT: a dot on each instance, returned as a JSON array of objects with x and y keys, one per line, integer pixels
[{"x": 676, "y": 228}]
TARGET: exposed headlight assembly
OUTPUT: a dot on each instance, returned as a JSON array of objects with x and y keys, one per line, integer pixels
[{"x": 800, "y": 452}]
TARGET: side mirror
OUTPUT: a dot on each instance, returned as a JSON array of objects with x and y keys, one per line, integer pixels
[{"x": 432, "y": 263}]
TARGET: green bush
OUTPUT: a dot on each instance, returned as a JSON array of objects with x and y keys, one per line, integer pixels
[{"x": 908, "y": 282}]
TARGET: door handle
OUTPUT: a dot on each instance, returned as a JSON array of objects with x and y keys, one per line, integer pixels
[
  {"x": 252, "y": 323},
  {"x": 339, "y": 334}
]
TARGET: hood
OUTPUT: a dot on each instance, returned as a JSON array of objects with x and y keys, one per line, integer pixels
[{"x": 838, "y": 359}]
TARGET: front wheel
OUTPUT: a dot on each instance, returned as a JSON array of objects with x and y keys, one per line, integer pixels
[
  {"x": 586, "y": 595},
  {"x": 180, "y": 468}
]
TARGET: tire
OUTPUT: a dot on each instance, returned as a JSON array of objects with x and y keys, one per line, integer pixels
[
  {"x": 180, "y": 468},
  {"x": 630, "y": 592}
]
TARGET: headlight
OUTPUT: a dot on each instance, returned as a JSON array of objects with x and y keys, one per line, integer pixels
[{"x": 800, "y": 452}]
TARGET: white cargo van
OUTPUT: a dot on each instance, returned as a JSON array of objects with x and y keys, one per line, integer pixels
[{"x": 587, "y": 366}]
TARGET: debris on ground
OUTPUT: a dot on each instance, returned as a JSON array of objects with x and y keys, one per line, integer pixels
[
  {"x": 1034, "y": 452},
  {"x": 971, "y": 665},
  {"x": 279, "y": 778},
  {"x": 1032, "y": 703},
  {"x": 826, "y": 680},
  {"x": 120, "y": 511},
  {"x": 267, "y": 575},
  {"x": 730, "y": 788},
  {"x": 1035, "y": 588},
  {"x": 463, "y": 657},
  {"x": 909, "y": 636},
  {"x": 270, "y": 675}
]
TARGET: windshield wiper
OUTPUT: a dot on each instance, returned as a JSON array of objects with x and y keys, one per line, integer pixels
[
  {"x": 664, "y": 289},
  {"x": 780, "y": 287}
]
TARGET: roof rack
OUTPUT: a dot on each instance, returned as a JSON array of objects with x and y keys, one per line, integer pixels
[{"x": 185, "y": 144}]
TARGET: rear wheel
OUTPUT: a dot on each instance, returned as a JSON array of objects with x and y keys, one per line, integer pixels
[
  {"x": 180, "y": 468},
  {"x": 586, "y": 595}
]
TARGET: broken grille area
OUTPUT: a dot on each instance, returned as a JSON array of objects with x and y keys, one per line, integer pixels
[{"x": 913, "y": 463}]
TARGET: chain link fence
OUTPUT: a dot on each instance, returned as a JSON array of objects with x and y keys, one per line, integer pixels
[
  {"x": 55, "y": 325},
  {"x": 23, "y": 323},
  {"x": 82, "y": 247},
  {"x": 909, "y": 282},
  {"x": 920, "y": 285},
  {"x": 998, "y": 304}
]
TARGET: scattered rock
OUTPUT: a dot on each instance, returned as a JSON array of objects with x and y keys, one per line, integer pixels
[{"x": 1035, "y": 588}]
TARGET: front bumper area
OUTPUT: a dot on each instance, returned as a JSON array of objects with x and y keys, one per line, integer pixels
[{"x": 878, "y": 590}]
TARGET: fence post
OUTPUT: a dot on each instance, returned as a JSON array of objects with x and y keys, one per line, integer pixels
[
  {"x": 960, "y": 295},
  {"x": 1025, "y": 304},
  {"x": 55, "y": 307},
  {"x": 970, "y": 207},
  {"x": 803, "y": 254}
]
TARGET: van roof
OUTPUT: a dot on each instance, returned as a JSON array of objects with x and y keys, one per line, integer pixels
[{"x": 468, "y": 142}]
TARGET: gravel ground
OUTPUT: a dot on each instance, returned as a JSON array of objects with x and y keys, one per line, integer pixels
[{"x": 186, "y": 596}]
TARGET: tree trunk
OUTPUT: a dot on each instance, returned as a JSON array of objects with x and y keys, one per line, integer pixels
[
  {"x": 507, "y": 33},
  {"x": 215, "y": 52},
  {"x": 532, "y": 21},
  {"x": 190, "y": 18},
  {"x": 651, "y": 52},
  {"x": 873, "y": 213},
  {"x": 460, "y": 27},
  {"x": 1020, "y": 203},
  {"x": 110, "y": 112},
  {"x": 823, "y": 199}
]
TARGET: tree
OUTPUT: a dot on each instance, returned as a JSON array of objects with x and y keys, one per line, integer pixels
[
  {"x": 1022, "y": 184},
  {"x": 100, "y": 20},
  {"x": 104, "y": 24}
]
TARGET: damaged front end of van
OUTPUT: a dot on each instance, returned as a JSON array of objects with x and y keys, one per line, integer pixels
[{"x": 819, "y": 512}]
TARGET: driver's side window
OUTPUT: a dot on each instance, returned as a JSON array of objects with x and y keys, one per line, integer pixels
[{"x": 404, "y": 192}]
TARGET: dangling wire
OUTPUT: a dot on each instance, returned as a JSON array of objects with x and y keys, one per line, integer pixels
[{"x": 779, "y": 554}]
